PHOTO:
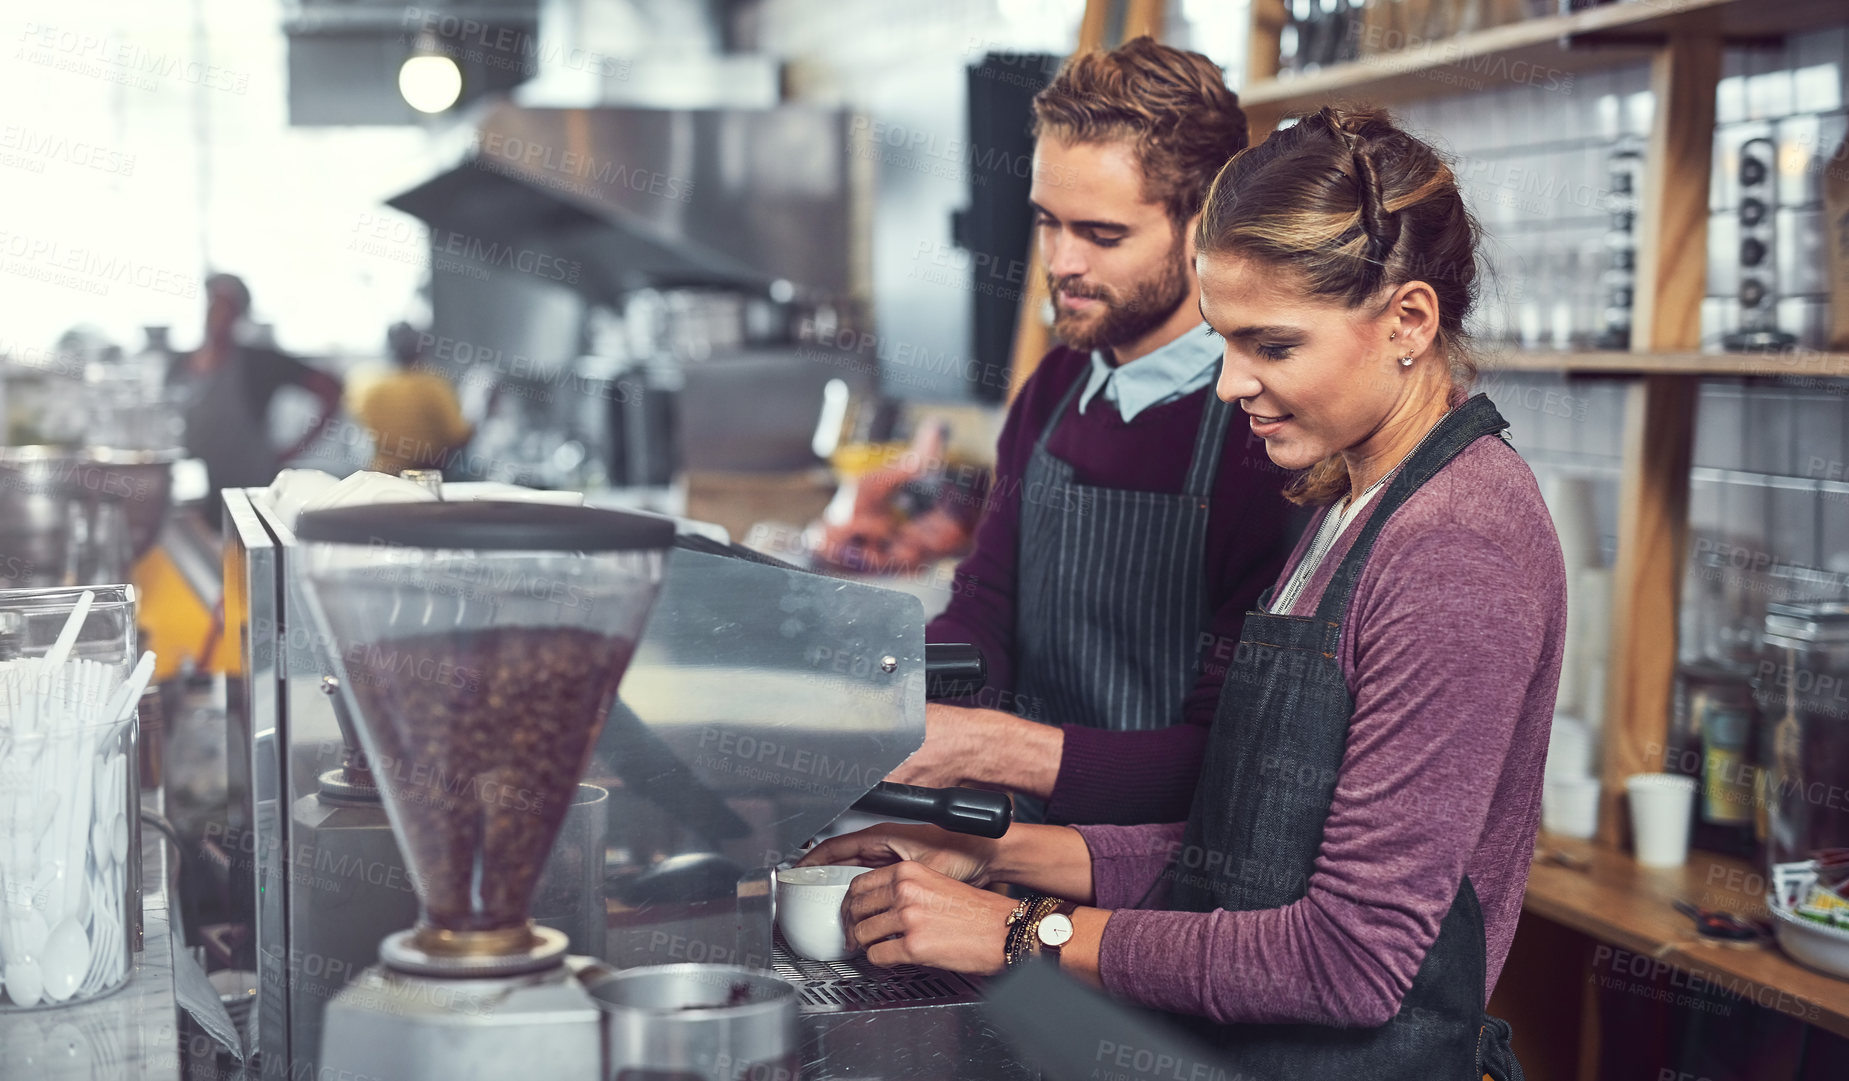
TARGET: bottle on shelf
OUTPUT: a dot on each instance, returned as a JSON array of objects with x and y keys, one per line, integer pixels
[{"x": 1711, "y": 738}]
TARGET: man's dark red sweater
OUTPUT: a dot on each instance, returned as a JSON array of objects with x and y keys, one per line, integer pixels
[{"x": 1123, "y": 777}]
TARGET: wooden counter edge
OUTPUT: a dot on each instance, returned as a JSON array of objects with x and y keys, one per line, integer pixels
[{"x": 1624, "y": 905}]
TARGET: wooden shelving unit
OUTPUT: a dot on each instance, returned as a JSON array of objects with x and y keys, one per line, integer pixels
[
  {"x": 1506, "y": 55},
  {"x": 1803, "y": 364}
]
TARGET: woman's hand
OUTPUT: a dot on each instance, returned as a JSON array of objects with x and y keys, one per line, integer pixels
[
  {"x": 953, "y": 855},
  {"x": 908, "y": 913}
]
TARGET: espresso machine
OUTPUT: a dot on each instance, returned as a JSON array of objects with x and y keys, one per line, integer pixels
[
  {"x": 317, "y": 878},
  {"x": 760, "y": 704}
]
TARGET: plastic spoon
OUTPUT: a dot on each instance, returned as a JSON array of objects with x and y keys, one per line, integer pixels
[
  {"x": 23, "y": 981},
  {"x": 67, "y": 954},
  {"x": 102, "y": 843},
  {"x": 119, "y": 840},
  {"x": 84, "y": 908}
]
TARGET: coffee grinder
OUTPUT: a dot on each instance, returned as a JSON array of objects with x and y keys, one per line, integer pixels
[{"x": 478, "y": 648}]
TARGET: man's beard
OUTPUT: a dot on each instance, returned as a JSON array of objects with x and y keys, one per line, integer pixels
[{"x": 1149, "y": 304}]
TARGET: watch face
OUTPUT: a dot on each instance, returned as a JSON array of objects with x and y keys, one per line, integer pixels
[{"x": 1055, "y": 930}]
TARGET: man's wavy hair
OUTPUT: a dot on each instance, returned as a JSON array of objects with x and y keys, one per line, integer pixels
[{"x": 1172, "y": 107}]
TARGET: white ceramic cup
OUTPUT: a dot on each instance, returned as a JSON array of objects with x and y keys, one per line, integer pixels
[
  {"x": 1570, "y": 805},
  {"x": 809, "y": 910},
  {"x": 1661, "y": 804}
]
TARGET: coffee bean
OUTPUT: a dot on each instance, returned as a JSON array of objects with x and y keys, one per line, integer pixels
[{"x": 481, "y": 737}]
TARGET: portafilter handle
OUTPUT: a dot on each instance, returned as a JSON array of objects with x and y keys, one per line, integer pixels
[
  {"x": 974, "y": 811},
  {"x": 954, "y": 670}
]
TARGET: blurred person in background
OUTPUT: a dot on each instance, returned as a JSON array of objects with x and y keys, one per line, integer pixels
[
  {"x": 229, "y": 383},
  {"x": 411, "y": 411},
  {"x": 1126, "y": 530},
  {"x": 908, "y": 514}
]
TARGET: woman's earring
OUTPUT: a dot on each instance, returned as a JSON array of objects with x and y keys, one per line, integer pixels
[{"x": 1406, "y": 361}]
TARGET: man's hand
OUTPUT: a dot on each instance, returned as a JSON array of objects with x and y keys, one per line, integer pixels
[
  {"x": 955, "y": 855},
  {"x": 910, "y": 914},
  {"x": 985, "y": 747}
]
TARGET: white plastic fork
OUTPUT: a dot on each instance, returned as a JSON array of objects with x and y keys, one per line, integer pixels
[{"x": 105, "y": 936}]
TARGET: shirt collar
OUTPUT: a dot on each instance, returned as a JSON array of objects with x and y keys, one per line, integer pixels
[{"x": 1170, "y": 372}]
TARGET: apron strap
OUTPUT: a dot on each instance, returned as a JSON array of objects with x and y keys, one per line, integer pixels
[
  {"x": 1216, "y": 417},
  {"x": 1059, "y": 411},
  {"x": 1458, "y": 429},
  {"x": 1495, "y": 1053}
]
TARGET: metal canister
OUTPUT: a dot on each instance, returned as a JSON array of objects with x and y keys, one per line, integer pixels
[
  {"x": 699, "y": 1023},
  {"x": 1803, "y": 691}
]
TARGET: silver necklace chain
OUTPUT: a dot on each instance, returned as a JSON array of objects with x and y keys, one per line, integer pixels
[{"x": 1333, "y": 526}]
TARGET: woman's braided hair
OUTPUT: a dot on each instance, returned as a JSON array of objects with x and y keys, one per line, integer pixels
[{"x": 1355, "y": 207}]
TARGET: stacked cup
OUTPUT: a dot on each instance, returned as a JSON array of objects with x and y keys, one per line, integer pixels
[{"x": 1570, "y": 793}]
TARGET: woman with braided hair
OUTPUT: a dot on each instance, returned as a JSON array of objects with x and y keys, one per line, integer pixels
[{"x": 1340, "y": 901}]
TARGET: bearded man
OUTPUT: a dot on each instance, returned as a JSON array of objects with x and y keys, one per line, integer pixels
[{"x": 1131, "y": 525}]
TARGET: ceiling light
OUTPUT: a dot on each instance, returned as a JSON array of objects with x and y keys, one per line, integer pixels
[{"x": 429, "y": 79}]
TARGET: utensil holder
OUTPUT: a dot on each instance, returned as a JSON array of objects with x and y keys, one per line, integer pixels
[{"x": 68, "y": 903}]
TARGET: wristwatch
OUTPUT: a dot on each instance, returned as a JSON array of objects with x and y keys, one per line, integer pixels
[{"x": 1053, "y": 930}]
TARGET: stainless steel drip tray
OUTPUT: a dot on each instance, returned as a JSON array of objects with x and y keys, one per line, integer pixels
[
  {"x": 855, "y": 985},
  {"x": 861, "y": 1022}
]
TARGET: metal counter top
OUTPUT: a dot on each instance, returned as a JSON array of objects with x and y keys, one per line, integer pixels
[{"x": 131, "y": 1035}]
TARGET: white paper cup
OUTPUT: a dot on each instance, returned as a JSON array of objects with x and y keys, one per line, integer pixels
[
  {"x": 1569, "y": 748},
  {"x": 1661, "y": 804},
  {"x": 1570, "y": 806},
  {"x": 809, "y": 910}
]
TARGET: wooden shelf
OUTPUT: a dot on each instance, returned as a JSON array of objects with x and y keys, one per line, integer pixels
[
  {"x": 1535, "y": 51},
  {"x": 1630, "y": 907},
  {"x": 1803, "y": 364}
]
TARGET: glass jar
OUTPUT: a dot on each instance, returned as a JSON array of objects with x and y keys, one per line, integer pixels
[
  {"x": 1803, "y": 690},
  {"x": 69, "y": 823}
]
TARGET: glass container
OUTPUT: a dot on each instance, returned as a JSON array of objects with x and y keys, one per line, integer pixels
[
  {"x": 1803, "y": 691},
  {"x": 479, "y": 647},
  {"x": 69, "y": 828}
]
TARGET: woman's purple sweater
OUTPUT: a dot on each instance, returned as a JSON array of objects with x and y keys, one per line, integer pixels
[{"x": 1451, "y": 650}]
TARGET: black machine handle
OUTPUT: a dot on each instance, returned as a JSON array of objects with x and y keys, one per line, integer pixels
[
  {"x": 954, "y": 670},
  {"x": 960, "y": 810}
]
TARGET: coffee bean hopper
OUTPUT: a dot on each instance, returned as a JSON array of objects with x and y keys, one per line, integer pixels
[{"x": 760, "y": 703}]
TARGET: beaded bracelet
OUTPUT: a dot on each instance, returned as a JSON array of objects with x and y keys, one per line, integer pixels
[{"x": 1019, "y": 945}]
